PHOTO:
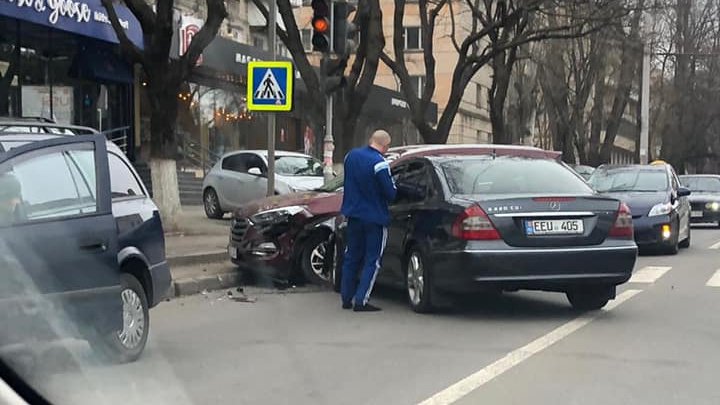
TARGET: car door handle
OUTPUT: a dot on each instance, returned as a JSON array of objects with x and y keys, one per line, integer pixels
[{"x": 93, "y": 245}]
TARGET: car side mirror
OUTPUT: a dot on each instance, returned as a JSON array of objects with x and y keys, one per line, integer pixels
[
  {"x": 255, "y": 171},
  {"x": 683, "y": 192}
]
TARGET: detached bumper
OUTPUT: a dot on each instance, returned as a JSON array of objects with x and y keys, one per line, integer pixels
[{"x": 552, "y": 269}]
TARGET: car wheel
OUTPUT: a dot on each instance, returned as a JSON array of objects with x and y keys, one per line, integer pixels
[
  {"x": 417, "y": 282},
  {"x": 127, "y": 345},
  {"x": 590, "y": 298},
  {"x": 686, "y": 243},
  {"x": 313, "y": 259},
  {"x": 211, "y": 202}
]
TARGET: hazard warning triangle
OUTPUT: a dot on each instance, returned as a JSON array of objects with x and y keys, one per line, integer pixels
[{"x": 269, "y": 88}]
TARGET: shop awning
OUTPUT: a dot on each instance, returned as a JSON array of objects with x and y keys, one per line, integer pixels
[{"x": 101, "y": 67}]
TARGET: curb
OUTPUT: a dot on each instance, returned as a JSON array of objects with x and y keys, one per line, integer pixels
[
  {"x": 212, "y": 256},
  {"x": 195, "y": 285}
]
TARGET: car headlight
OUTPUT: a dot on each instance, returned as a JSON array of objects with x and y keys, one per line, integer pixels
[
  {"x": 715, "y": 206},
  {"x": 278, "y": 214},
  {"x": 660, "y": 209}
]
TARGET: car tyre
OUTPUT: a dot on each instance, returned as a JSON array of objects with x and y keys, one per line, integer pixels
[
  {"x": 686, "y": 243},
  {"x": 127, "y": 345},
  {"x": 418, "y": 282},
  {"x": 211, "y": 203},
  {"x": 314, "y": 259},
  {"x": 590, "y": 298}
]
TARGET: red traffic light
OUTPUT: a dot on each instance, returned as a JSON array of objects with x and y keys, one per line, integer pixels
[{"x": 320, "y": 24}]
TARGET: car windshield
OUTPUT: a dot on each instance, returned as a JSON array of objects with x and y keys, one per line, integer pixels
[
  {"x": 629, "y": 179},
  {"x": 298, "y": 166},
  {"x": 510, "y": 175},
  {"x": 701, "y": 184}
]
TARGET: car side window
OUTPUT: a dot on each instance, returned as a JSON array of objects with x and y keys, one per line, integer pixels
[
  {"x": 256, "y": 162},
  {"x": 122, "y": 180},
  {"x": 414, "y": 177},
  {"x": 50, "y": 185},
  {"x": 235, "y": 163}
]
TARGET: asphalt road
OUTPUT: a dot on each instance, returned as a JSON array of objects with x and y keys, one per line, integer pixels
[{"x": 657, "y": 343}]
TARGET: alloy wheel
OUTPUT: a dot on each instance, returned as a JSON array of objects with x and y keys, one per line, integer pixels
[
  {"x": 133, "y": 319},
  {"x": 415, "y": 279}
]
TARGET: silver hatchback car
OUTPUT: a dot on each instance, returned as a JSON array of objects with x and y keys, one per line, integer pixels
[{"x": 241, "y": 176}]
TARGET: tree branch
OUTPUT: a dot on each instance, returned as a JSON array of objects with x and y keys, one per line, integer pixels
[{"x": 135, "y": 54}]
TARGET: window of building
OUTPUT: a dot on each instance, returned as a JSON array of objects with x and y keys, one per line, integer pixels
[
  {"x": 479, "y": 95},
  {"x": 418, "y": 84},
  {"x": 306, "y": 36},
  {"x": 413, "y": 38}
]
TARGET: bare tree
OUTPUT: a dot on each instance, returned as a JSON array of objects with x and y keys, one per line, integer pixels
[
  {"x": 165, "y": 76},
  {"x": 496, "y": 30},
  {"x": 358, "y": 80}
]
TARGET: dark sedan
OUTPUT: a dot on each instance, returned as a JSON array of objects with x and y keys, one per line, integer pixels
[
  {"x": 660, "y": 206},
  {"x": 705, "y": 198},
  {"x": 473, "y": 223}
]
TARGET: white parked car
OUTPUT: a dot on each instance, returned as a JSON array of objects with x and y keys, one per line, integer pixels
[{"x": 241, "y": 176}]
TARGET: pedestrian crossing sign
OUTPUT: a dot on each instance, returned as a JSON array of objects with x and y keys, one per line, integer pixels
[{"x": 270, "y": 86}]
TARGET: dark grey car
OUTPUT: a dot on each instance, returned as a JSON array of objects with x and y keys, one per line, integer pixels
[
  {"x": 465, "y": 224},
  {"x": 705, "y": 197}
]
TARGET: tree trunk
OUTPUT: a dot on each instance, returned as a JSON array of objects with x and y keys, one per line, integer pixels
[
  {"x": 502, "y": 66},
  {"x": 166, "y": 194}
]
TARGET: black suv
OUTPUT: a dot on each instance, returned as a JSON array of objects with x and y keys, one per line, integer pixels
[{"x": 78, "y": 222}]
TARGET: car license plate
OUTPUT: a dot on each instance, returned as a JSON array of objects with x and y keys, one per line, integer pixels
[
  {"x": 554, "y": 227},
  {"x": 233, "y": 252},
  {"x": 696, "y": 214}
]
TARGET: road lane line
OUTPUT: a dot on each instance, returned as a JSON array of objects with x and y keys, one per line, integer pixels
[
  {"x": 715, "y": 246},
  {"x": 517, "y": 356},
  {"x": 714, "y": 280},
  {"x": 649, "y": 274}
]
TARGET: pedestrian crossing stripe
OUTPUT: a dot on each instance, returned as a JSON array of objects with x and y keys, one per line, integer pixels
[
  {"x": 714, "y": 281},
  {"x": 649, "y": 274},
  {"x": 270, "y": 86}
]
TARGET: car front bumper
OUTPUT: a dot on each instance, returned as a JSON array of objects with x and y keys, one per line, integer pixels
[
  {"x": 648, "y": 230},
  {"x": 268, "y": 253},
  {"x": 551, "y": 269},
  {"x": 701, "y": 214}
]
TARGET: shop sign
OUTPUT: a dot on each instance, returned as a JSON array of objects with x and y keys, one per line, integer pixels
[{"x": 84, "y": 17}]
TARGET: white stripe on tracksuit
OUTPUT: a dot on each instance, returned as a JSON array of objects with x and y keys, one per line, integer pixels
[{"x": 377, "y": 266}]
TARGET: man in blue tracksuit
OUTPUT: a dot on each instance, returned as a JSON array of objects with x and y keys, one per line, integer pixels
[{"x": 369, "y": 188}]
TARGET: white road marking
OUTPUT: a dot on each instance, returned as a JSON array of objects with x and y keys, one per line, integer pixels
[
  {"x": 649, "y": 274},
  {"x": 715, "y": 246},
  {"x": 714, "y": 280},
  {"x": 517, "y": 356}
]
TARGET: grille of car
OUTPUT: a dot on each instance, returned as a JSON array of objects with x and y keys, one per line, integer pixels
[
  {"x": 699, "y": 206},
  {"x": 239, "y": 227}
]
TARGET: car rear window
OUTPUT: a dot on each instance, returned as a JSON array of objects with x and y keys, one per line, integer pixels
[{"x": 510, "y": 175}]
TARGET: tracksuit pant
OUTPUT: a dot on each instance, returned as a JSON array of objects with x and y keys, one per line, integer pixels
[{"x": 364, "y": 249}]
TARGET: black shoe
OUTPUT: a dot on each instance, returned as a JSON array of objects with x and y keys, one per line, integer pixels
[
  {"x": 366, "y": 308},
  {"x": 347, "y": 305}
]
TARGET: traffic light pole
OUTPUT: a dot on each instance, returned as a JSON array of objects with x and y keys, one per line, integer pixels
[
  {"x": 272, "y": 37},
  {"x": 329, "y": 142}
]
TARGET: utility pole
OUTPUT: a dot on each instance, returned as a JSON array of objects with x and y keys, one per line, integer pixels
[
  {"x": 272, "y": 37},
  {"x": 645, "y": 105},
  {"x": 329, "y": 142}
]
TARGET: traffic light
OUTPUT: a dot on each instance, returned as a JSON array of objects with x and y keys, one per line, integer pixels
[
  {"x": 344, "y": 30},
  {"x": 321, "y": 25},
  {"x": 332, "y": 72}
]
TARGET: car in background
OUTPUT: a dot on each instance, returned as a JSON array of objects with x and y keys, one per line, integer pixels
[
  {"x": 659, "y": 204},
  {"x": 479, "y": 221},
  {"x": 705, "y": 198},
  {"x": 290, "y": 234},
  {"x": 241, "y": 176},
  {"x": 584, "y": 171},
  {"x": 140, "y": 255}
]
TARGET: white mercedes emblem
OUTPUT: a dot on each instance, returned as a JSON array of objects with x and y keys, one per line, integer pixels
[{"x": 555, "y": 206}]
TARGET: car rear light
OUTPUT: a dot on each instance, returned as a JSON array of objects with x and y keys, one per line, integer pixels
[
  {"x": 623, "y": 227},
  {"x": 474, "y": 224}
]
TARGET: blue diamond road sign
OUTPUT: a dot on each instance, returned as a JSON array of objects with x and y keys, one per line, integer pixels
[{"x": 270, "y": 86}]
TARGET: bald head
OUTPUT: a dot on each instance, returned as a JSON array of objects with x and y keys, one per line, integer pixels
[{"x": 380, "y": 140}]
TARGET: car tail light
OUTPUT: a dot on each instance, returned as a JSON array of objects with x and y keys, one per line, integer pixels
[
  {"x": 474, "y": 224},
  {"x": 623, "y": 227}
]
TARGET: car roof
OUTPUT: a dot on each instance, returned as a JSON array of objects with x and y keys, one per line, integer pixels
[
  {"x": 657, "y": 168},
  {"x": 476, "y": 149},
  {"x": 264, "y": 153},
  {"x": 24, "y": 138}
]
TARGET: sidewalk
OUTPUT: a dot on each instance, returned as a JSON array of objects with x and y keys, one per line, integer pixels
[{"x": 197, "y": 254}]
